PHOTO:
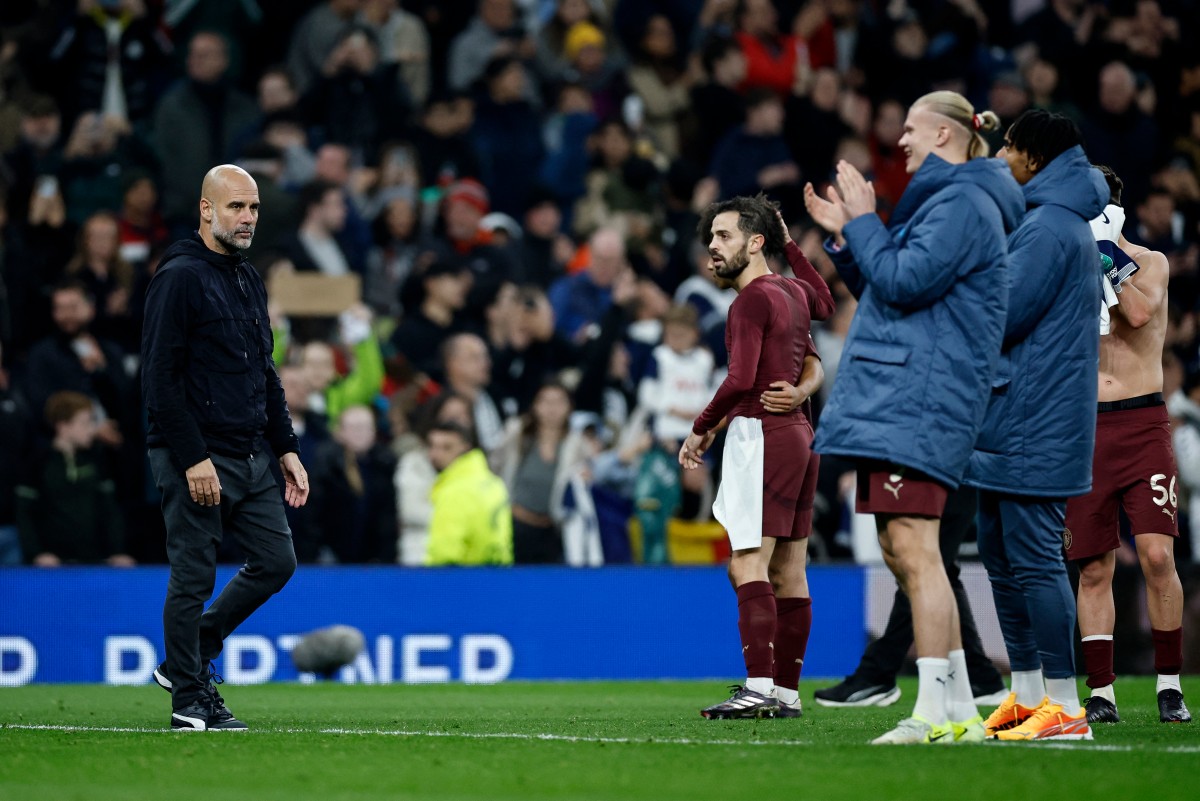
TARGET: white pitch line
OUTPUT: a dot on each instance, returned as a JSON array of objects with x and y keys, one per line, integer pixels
[{"x": 567, "y": 738}]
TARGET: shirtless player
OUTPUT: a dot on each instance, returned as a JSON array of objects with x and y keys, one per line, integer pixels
[{"x": 1134, "y": 468}]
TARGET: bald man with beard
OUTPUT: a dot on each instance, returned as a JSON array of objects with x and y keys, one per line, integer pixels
[{"x": 217, "y": 417}]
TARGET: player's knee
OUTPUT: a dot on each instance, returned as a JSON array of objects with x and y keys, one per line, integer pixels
[
  {"x": 1158, "y": 561},
  {"x": 1094, "y": 575}
]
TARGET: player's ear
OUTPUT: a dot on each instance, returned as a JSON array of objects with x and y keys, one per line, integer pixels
[{"x": 756, "y": 243}]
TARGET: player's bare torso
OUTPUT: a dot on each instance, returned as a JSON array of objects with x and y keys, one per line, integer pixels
[{"x": 1131, "y": 358}]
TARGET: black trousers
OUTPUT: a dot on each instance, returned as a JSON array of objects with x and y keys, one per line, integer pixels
[
  {"x": 252, "y": 510},
  {"x": 884, "y": 658}
]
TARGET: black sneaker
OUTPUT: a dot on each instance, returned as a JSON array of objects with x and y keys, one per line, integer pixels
[
  {"x": 193, "y": 717},
  {"x": 221, "y": 717},
  {"x": 1171, "y": 708},
  {"x": 743, "y": 703},
  {"x": 1101, "y": 710},
  {"x": 853, "y": 692},
  {"x": 160, "y": 676}
]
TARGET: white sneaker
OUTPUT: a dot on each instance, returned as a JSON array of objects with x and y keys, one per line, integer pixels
[{"x": 915, "y": 730}]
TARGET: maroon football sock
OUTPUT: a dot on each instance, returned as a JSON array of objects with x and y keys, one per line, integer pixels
[
  {"x": 793, "y": 623},
  {"x": 1168, "y": 651},
  {"x": 1098, "y": 660},
  {"x": 756, "y": 622}
]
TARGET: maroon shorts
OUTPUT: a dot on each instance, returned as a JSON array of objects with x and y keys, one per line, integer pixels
[
  {"x": 890, "y": 489},
  {"x": 789, "y": 481},
  {"x": 1133, "y": 468}
]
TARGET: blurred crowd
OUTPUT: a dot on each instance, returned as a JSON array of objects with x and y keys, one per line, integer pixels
[{"x": 511, "y": 188}]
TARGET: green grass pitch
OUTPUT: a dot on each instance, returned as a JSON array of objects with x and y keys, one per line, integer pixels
[{"x": 634, "y": 740}]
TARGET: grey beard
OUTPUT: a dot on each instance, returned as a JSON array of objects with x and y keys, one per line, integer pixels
[{"x": 230, "y": 241}]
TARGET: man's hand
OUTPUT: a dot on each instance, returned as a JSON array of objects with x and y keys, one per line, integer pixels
[
  {"x": 783, "y": 226},
  {"x": 782, "y": 398},
  {"x": 203, "y": 484},
  {"x": 829, "y": 213},
  {"x": 47, "y": 559},
  {"x": 691, "y": 453},
  {"x": 857, "y": 192},
  {"x": 295, "y": 480},
  {"x": 121, "y": 560}
]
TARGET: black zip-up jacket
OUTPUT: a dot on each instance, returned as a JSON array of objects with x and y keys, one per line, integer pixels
[{"x": 207, "y": 375}]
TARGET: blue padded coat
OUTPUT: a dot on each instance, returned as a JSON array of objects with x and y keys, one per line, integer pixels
[
  {"x": 1040, "y": 426},
  {"x": 916, "y": 372}
]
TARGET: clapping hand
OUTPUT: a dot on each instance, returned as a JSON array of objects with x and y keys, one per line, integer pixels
[
  {"x": 858, "y": 194},
  {"x": 829, "y": 213}
]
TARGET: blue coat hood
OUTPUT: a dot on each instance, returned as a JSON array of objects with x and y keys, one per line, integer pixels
[
  {"x": 914, "y": 378},
  {"x": 1040, "y": 427}
]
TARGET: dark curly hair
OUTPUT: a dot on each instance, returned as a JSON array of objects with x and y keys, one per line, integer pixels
[{"x": 756, "y": 216}]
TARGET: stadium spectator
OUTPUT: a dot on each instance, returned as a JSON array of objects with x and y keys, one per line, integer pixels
[
  {"x": 717, "y": 105},
  {"x": 534, "y": 352},
  {"x": 544, "y": 249},
  {"x": 357, "y": 100},
  {"x": 580, "y": 300},
  {"x": 1119, "y": 133},
  {"x": 196, "y": 124},
  {"x": 312, "y": 433},
  {"x": 538, "y": 457},
  {"x": 16, "y": 441},
  {"x": 755, "y": 156},
  {"x": 415, "y": 474},
  {"x": 66, "y": 502},
  {"x": 435, "y": 316},
  {"x": 595, "y": 68},
  {"x": 108, "y": 277},
  {"x": 316, "y": 37},
  {"x": 553, "y": 65},
  {"x": 772, "y": 57},
  {"x": 507, "y": 135},
  {"x": 468, "y": 371},
  {"x": 314, "y": 247},
  {"x": 493, "y": 31},
  {"x": 97, "y": 154},
  {"x": 443, "y": 140},
  {"x": 141, "y": 226},
  {"x": 403, "y": 41},
  {"x": 621, "y": 186},
  {"x": 814, "y": 124},
  {"x": 659, "y": 78},
  {"x": 470, "y": 244},
  {"x": 36, "y": 159},
  {"x": 470, "y": 522},
  {"x": 75, "y": 359},
  {"x": 334, "y": 163},
  {"x": 332, "y": 392},
  {"x": 353, "y": 498},
  {"x": 393, "y": 257},
  {"x": 110, "y": 60},
  {"x": 266, "y": 164}
]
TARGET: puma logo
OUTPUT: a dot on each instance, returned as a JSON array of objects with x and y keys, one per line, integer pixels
[
  {"x": 894, "y": 488},
  {"x": 1169, "y": 514}
]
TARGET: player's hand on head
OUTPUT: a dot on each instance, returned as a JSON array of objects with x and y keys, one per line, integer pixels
[{"x": 787, "y": 234}]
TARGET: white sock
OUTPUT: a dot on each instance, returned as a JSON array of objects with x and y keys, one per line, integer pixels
[
  {"x": 1105, "y": 692},
  {"x": 931, "y": 690},
  {"x": 761, "y": 686},
  {"x": 960, "y": 705},
  {"x": 1065, "y": 693},
  {"x": 1168, "y": 683},
  {"x": 787, "y": 697},
  {"x": 1029, "y": 687}
]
